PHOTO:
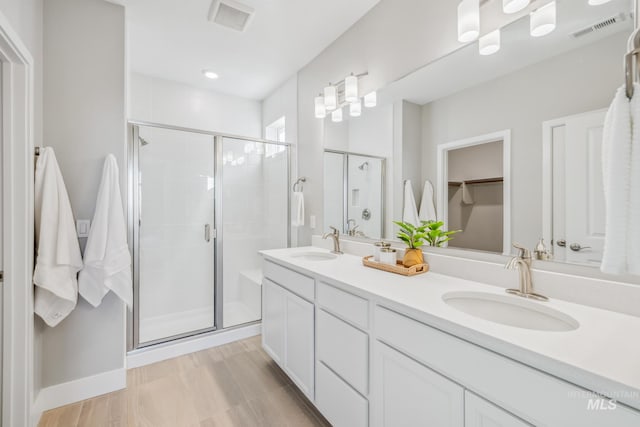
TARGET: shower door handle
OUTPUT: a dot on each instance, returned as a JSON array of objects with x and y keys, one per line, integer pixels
[{"x": 207, "y": 233}]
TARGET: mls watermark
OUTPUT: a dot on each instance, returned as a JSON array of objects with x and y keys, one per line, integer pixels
[{"x": 598, "y": 402}]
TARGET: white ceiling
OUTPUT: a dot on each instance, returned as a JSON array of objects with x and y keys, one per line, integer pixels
[
  {"x": 465, "y": 68},
  {"x": 173, "y": 39}
]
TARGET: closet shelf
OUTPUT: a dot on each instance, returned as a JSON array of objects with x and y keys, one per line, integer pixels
[{"x": 477, "y": 181}]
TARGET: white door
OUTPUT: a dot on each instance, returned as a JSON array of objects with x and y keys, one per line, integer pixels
[
  {"x": 299, "y": 342},
  {"x": 584, "y": 191},
  {"x": 480, "y": 413},
  {"x": 408, "y": 394}
]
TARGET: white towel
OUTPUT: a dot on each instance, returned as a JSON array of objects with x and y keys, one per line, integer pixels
[
  {"x": 107, "y": 258},
  {"x": 467, "y": 198},
  {"x": 427, "y": 208},
  {"x": 58, "y": 258},
  {"x": 633, "y": 239},
  {"x": 616, "y": 166},
  {"x": 409, "y": 210},
  {"x": 297, "y": 204}
]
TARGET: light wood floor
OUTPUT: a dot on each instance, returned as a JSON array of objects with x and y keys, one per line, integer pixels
[{"x": 232, "y": 385}]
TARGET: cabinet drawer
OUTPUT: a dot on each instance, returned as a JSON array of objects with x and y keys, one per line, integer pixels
[
  {"x": 480, "y": 413},
  {"x": 344, "y": 349},
  {"x": 540, "y": 399},
  {"x": 338, "y": 402},
  {"x": 345, "y": 305},
  {"x": 295, "y": 282}
]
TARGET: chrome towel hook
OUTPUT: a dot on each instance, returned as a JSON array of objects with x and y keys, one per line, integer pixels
[{"x": 297, "y": 186}]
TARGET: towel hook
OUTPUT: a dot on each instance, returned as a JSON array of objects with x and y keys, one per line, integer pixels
[{"x": 298, "y": 183}]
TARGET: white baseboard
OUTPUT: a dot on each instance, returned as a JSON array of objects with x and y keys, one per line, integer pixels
[
  {"x": 77, "y": 390},
  {"x": 166, "y": 351}
]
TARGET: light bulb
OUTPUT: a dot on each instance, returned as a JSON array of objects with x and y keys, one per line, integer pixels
[
  {"x": 513, "y": 6},
  {"x": 351, "y": 89},
  {"x": 321, "y": 109},
  {"x": 468, "y": 20},
  {"x": 543, "y": 20},
  {"x": 371, "y": 99},
  {"x": 210, "y": 74},
  {"x": 489, "y": 43},
  {"x": 336, "y": 115},
  {"x": 330, "y": 97},
  {"x": 355, "y": 108}
]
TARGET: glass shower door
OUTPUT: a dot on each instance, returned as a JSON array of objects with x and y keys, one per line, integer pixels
[
  {"x": 176, "y": 253},
  {"x": 254, "y": 215}
]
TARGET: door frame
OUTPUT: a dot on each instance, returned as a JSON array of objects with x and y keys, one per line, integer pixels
[
  {"x": 17, "y": 142},
  {"x": 443, "y": 173}
]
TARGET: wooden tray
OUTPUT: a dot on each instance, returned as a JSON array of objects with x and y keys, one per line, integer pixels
[{"x": 398, "y": 268}]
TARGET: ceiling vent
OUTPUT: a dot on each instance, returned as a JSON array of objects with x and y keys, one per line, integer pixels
[
  {"x": 606, "y": 23},
  {"x": 231, "y": 14}
]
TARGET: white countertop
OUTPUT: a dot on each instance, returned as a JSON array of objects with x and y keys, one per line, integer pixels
[{"x": 602, "y": 355}]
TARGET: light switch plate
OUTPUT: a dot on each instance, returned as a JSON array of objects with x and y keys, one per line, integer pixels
[
  {"x": 312, "y": 222},
  {"x": 82, "y": 227}
]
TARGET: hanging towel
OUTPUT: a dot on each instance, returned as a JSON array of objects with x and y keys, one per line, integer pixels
[
  {"x": 297, "y": 204},
  {"x": 409, "y": 210},
  {"x": 616, "y": 167},
  {"x": 427, "y": 208},
  {"x": 107, "y": 260},
  {"x": 58, "y": 258},
  {"x": 633, "y": 239},
  {"x": 467, "y": 198}
]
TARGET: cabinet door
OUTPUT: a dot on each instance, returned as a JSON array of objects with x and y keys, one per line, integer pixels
[
  {"x": 299, "y": 342},
  {"x": 408, "y": 394},
  {"x": 480, "y": 413},
  {"x": 273, "y": 320}
]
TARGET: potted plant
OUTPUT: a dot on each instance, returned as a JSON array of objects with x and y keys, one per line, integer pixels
[
  {"x": 414, "y": 237},
  {"x": 435, "y": 236}
]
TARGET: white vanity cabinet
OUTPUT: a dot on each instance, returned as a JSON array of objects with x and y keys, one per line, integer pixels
[
  {"x": 288, "y": 325},
  {"x": 480, "y": 413}
]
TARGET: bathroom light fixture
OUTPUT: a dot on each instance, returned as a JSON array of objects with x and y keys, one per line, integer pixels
[
  {"x": 598, "y": 2},
  {"x": 321, "y": 109},
  {"x": 336, "y": 115},
  {"x": 489, "y": 43},
  {"x": 355, "y": 109},
  {"x": 371, "y": 99},
  {"x": 330, "y": 97},
  {"x": 543, "y": 20},
  {"x": 513, "y": 6},
  {"x": 351, "y": 88},
  {"x": 468, "y": 20},
  {"x": 210, "y": 74}
]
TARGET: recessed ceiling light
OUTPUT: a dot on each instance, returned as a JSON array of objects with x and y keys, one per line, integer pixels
[{"x": 210, "y": 74}]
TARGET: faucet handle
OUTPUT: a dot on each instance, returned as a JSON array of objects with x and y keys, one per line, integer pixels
[
  {"x": 335, "y": 230},
  {"x": 523, "y": 253}
]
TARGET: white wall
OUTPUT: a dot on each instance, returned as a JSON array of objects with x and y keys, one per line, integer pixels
[
  {"x": 521, "y": 101},
  {"x": 84, "y": 111},
  {"x": 156, "y": 100},
  {"x": 283, "y": 102}
]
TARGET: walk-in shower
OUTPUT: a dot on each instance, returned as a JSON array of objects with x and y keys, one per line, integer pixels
[{"x": 201, "y": 207}]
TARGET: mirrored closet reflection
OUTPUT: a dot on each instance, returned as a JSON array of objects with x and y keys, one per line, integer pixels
[{"x": 203, "y": 205}]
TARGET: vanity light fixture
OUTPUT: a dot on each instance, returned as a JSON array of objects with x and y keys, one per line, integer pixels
[
  {"x": 351, "y": 88},
  {"x": 355, "y": 109},
  {"x": 321, "y": 109},
  {"x": 513, "y": 6},
  {"x": 468, "y": 20},
  {"x": 336, "y": 115},
  {"x": 543, "y": 20},
  {"x": 598, "y": 2},
  {"x": 489, "y": 43},
  {"x": 330, "y": 97},
  {"x": 371, "y": 99},
  {"x": 210, "y": 74}
]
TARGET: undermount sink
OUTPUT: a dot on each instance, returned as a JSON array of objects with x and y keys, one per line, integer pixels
[
  {"x": 315, "y": 256},
  {"x": 511, "y": 311}
]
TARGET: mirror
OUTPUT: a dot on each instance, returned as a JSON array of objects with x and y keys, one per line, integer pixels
[
  {"x": 353, "y": 193},
  {"x": 547, "y": 93}
]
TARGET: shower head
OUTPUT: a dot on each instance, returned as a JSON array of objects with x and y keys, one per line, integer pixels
[
  {"x": 364, "y": 166},
  {"x": 143, "y": 142}
]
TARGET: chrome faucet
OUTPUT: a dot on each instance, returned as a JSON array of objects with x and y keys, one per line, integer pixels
[
  {"x": 352, "y": 228},
  {"x": 523, "y": 263},
  {"x": 335, "y": 235}
]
